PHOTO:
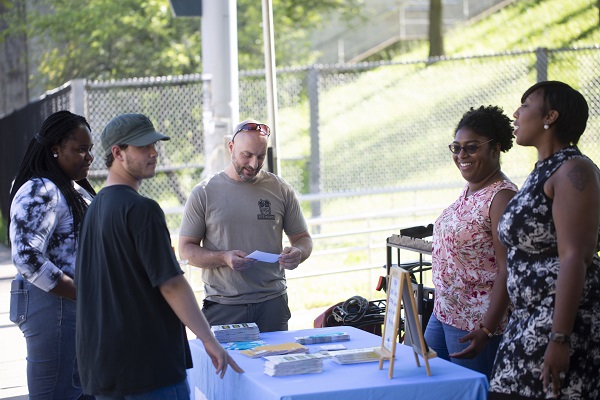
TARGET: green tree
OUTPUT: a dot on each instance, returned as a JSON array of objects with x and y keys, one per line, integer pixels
[
  {"x": 107, "y": 39},
  {"x": 293, "y": 21},
  {"x": 116, "y": 39},
  {"x": 13, "y": 64}
]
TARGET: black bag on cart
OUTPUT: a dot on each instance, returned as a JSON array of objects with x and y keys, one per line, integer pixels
[{"x": 357, "y": 312}]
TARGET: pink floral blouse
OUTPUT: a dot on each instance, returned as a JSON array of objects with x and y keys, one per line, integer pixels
[{"x": 463, "y": 259}]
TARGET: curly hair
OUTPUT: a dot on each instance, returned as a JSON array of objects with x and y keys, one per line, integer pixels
[
  {"x": 39, "y": 161},
  {"x": 490, "y": 122}
]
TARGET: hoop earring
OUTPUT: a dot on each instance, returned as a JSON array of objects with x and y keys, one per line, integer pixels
[{"x": 546, "y": 126}]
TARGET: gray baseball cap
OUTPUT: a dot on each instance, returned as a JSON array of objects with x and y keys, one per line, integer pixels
[{"x": 132, "y": 129}]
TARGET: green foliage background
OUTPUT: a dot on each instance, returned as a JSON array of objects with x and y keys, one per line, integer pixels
[{"x": 118, "y": 39}]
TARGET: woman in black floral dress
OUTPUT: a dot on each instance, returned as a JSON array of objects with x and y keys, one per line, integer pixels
[{"x": 551, "y": 347}]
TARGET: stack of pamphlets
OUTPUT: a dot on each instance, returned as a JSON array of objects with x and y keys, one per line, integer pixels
[
  {"x": 244, "y": 332},
  {"x": 294, "y": 364},
  {"x": 274, "y": 350},
  {"x": 354, "y": 356},
  {"x": 327, "y": 349},
  {"x": 243, "y": 345},
  {"x": 323, "y": 338}
]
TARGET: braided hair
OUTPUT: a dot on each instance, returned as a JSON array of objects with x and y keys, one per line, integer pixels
[{"x": 40, "y": 162}]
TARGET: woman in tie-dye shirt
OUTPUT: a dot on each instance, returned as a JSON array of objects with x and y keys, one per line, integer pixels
[{"x": 48, "y": 200}]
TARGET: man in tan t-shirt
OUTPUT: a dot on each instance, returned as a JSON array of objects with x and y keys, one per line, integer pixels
[{"x": 233, "y": 213}]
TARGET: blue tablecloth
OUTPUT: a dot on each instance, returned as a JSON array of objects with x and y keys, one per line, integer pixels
[{"x": 337, "y": 382}]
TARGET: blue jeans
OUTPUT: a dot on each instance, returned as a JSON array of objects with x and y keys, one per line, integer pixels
[
  {"x": 443, "y": 339},
  {"x": 48, "y": 325},
  {"x": 179, "y": 391}
]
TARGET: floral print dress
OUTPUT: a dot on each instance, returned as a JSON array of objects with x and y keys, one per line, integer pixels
[
  {"x": 463, "y": 258},
  {"x": 527, "y": 229}
]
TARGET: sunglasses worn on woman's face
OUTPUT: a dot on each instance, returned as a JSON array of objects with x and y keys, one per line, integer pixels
[
  {"x": 469, "y": 148},
  {"x": 263, "y": 129}
]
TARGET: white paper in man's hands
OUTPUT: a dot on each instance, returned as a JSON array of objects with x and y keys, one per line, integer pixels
[{"x": 262, "y": 256}]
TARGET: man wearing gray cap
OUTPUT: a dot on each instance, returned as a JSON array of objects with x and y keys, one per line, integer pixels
[{"x": 133, "y": 300}]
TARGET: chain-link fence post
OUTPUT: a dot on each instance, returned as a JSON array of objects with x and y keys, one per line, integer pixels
[
  {"x": 541, "y": 63},
  {"x": 216, "y": 131},
  {"x": 78, "y": 97},
  {"x": 315, "y": 152}
]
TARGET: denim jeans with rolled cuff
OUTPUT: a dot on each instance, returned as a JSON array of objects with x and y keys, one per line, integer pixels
[{"x": 48, "y": 325}]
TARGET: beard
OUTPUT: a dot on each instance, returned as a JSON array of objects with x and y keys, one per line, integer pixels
[
  {"x": 239, "y": 170},
  {"x": 139, "y": 170}
]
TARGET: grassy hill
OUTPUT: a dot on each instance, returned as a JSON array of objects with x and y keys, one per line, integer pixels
[
  {"x": 387, "y": 126},
  {"x": 390, "y": 106},
  {"x": 522, "y": 25}
]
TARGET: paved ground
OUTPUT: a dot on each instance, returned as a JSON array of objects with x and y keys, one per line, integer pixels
[{"x": 13, "y": 379}]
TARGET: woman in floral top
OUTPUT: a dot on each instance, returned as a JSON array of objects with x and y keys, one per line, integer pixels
[
  {"x": 468, "y": 260},
  {"x": 551, "y": 348},
  {"x": 48, "y": 200}
]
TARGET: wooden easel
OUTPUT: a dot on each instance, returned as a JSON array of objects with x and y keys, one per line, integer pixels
[{"x": 400, "y": 292}]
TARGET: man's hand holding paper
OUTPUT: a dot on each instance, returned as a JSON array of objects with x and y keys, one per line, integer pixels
[
  {"x": 290, "y": 257},
  {"x": 264, "y": 257}
]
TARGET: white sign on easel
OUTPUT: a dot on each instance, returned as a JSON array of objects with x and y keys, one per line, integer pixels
[{"x": 400, "y": 292}]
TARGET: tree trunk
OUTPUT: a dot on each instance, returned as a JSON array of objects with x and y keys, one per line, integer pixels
[
  {"x": 14, "y": 92},
  {"x": 436, "y": 28}
]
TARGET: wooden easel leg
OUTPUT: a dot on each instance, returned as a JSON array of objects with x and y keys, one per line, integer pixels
[
  {"x": 417, "y": 359},
  {"x": 427, "y": 366}
]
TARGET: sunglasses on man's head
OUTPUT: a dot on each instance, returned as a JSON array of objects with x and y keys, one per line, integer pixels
[
  {"x": 263, "y": 129},
  {"x": 469, "y": 148}
]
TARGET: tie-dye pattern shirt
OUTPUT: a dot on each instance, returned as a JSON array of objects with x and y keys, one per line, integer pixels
[{"x": 43, "y": 241}]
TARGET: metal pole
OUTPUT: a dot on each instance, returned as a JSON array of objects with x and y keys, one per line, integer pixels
[
  {"x": 220, "y": 65},
  {"x": 541, "y": 63},
  {"x": 271, "y": 81},
  {"x": 315, "y": 145},
  {"x": 78, "y": 97}
]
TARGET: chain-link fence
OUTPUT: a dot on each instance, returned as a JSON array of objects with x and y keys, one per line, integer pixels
[
  {"x": 365, "y": 145},
  {"x": 175, "y": 106},
  {"x": 371, "y": 141},
  {"x": 382, "y": 128}
]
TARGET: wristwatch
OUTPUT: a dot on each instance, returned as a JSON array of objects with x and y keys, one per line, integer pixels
[{"x": 559, "y": 337}]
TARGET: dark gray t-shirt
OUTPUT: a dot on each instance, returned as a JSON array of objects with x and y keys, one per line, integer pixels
[{"x": 129, "y": 340}]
